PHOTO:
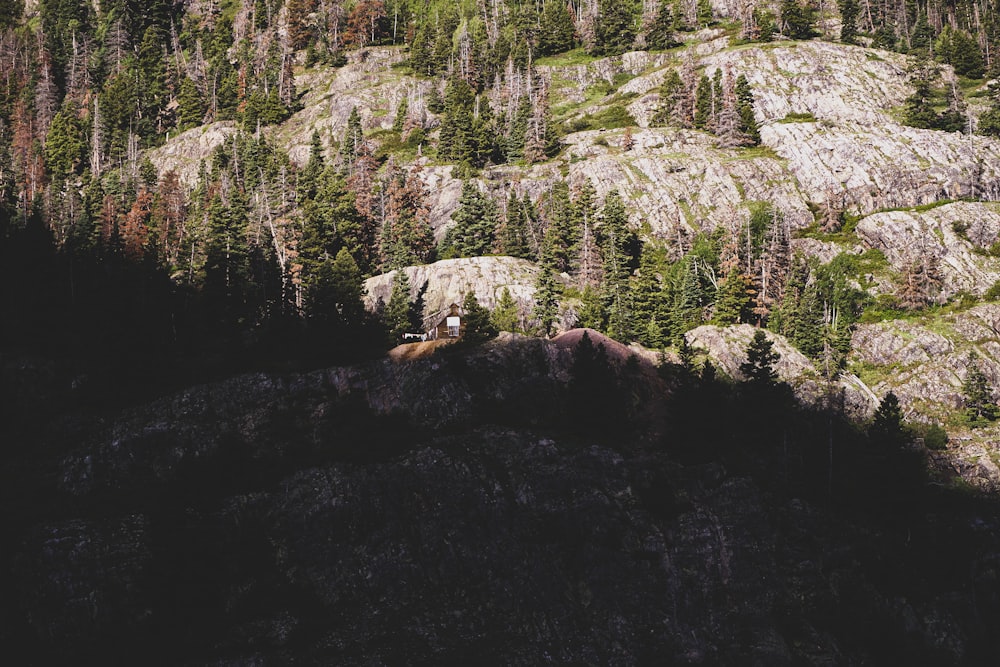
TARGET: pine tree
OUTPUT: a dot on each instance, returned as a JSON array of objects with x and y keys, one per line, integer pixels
[
  {"x": 546, "y": 288},
  {"x": 556, "y": 33},
  {"x": 849, "y": 11},
  {"x": 796, "y": 19},
  {"x": 758, "y": 368},
  {"x": 703, "y": 105},
  {"x": 456, "y": 138},
  {"x": 505, "y": 315},
  {"x": 616, "y": 247},
  {"x": 514, "y": 241},
  {"x": 354, "y": 136},
  {"x": 651, "y": 317},
  {"x": 690, "y": 299},
  {"x": 661, "y": 32},
  {"x": 475, "y": 223},
  {"x": 614, "y": 29},
  {"x": 561, "y": 234},
  {"x": 191, "y": 106},
  {"x": 593, "y": 311},
  {"x": 918, "y": 110},
  {"x": 989, "y": 122},
  {"x": 478, "y": 326},
  {"x": 65, "y": 145},
  {"x": 887, "y": 425},
  {"x": 977, "y": 396},
  {"x": 399, "y": 122},
  {"x": 400, "y": 316},
  {"x": 744, "y": 106},
  {"x": 734, "y": 301},
  {"x": 588, "y": 261}
]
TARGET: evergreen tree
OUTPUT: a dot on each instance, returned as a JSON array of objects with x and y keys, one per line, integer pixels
[
  {"x": 796, "y": 19},
  {"x": 485, "y": 135},
  {"x": 661, "y": 32},
  {"x": 922, "y": 37},
  {"x": 65, "y": 144},
  {"x": 556, "y": 33},
  {"x": 614, "y": 29},
  {"x": 734, "y": 302},
  {"x": 475, "y": 223},
  {"x": 456, "y": 138},
  {"x": 354, "y": 136},
  {"x": 704, "y": 104},
  {"x": 761, "y": 357},
  {"x": 227, "y": 269},
  {"x": 651, "y": 316},
  {"x": 918, "y": 110},
  {"x": 593, "y": 312},
  {"x": 977, "y": 395},
  {"x": 690, "y": 299},
  {"x": 190, "y": 105},
  {"x": 672, "y": 95},
  {"x": 505, "y": 315},
  {"x": 960, "y": 50},
  {"x": 617, "y": 242},
  {"x": 887, "y": 425},
  {"x": 401, "y": 112},
  {"x": 546, "y": 295},
  {"x": 744, "y": 106},
  {"x": 478, "y": 326},
  {"x": 561, "y": 232},
  {"x": 400, "y": 316},
  {"x": 849, "y": 11},
  {"x": 989, "y": 122},
  {"x": 308, "y": 179},
  {"x": 515, "y": 233}
]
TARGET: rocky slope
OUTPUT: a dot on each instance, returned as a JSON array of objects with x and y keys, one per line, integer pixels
[
  {"x": 854, "y": 155},
  {"x": 726, "y": 348},
  {"x": 437, "y": 511},
  {"x": 443, "y": 283}
]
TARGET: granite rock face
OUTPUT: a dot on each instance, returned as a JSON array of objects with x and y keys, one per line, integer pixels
[
  {"x": 443, "y": 283},
  {"x": 955, "y": 237}
]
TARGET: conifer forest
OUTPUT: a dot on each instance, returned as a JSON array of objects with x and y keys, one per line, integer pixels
[{"x": 724, "y": 391}]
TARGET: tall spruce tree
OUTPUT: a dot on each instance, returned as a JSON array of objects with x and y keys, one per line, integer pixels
[
  {"x": 617, "y": 243},
  {"x": 661, "y": 32},
  {"x": 400, "y": 315},
  {"x": 758, "y": 368},
  {"x": 614, "y": 28},
  {"x": 475, "y": 223},
  {"x": 557, "y": 32},
  {"x": 514, "y": 241},
  {"x": 505, "y": 316}
]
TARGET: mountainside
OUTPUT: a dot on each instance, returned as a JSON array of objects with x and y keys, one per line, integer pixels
[
  {"x": 484, "y": 504},
  {"x": 724, "y": 388}
]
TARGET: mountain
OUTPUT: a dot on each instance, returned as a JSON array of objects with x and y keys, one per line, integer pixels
[{"x": 743, "y": 259}]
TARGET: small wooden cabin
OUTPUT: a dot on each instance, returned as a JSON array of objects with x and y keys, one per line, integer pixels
[{"x": 451, "y": 326}]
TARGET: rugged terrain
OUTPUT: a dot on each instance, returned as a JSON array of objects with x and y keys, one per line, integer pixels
[{"x": 460, "y": 508}]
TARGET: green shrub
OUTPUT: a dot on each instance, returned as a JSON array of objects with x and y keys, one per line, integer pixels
[
  {"x": 993, "y": 293},
  {"x": 935, "y": 437},
  {"x": 796, "y": 117}
]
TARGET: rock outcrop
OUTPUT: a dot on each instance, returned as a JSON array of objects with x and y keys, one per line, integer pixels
[
  {"x": 443, "y": 283},
  {"x": 726, "y": 348},
  {"x": 955, "y": 239},
  {"x": 184, "y": 153}
]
